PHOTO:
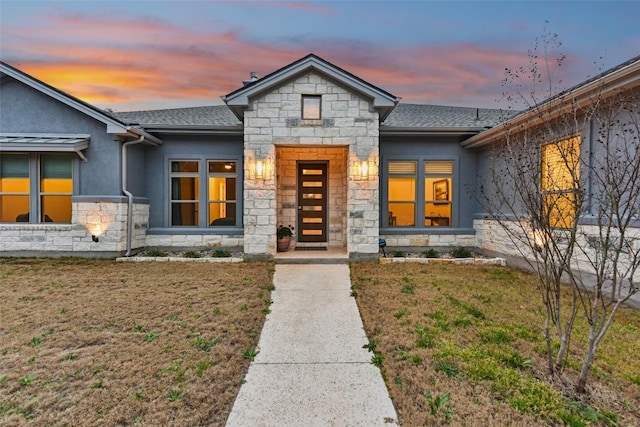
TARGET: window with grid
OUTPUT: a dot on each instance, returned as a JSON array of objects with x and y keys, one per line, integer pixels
[{"x": 185, "y": 194}]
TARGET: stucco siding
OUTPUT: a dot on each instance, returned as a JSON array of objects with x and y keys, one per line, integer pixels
[
  {"x": 25, "y": 110},
  {"x": 174, "y": 147}
]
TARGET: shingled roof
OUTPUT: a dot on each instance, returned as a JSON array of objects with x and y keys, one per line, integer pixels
[
  {"x": 441, "y": 116},
  {"x": 208, "y": 116},
  {"x": 403, "y": 116}
]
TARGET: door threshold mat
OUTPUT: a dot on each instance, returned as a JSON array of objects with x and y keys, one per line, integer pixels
[{"x": 311, "y": 248}]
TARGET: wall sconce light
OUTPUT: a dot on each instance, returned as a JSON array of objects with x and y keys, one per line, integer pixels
[
  {"x": 262, "y": 169},
  {"x": 94, "y": 238},
  {"x": 364, "y": 170},
  {"x": 259, "y": 169}
]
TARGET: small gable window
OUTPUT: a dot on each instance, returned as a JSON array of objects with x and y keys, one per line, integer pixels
[{"x": 311, "y": 107}]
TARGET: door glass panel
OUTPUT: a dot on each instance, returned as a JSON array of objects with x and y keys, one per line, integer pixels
[
  {"x": 312, "y": 232},
  {"x": 311, "y": 172},
  {"x": 312, "y": 220},
  {"x": 316, "y": 196},
  {"x": 315, "y": 184},
  {"x": 312, "y": 208}
]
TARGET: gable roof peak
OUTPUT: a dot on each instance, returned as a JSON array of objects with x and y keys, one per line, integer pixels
[{"x": 239, "y": 100}]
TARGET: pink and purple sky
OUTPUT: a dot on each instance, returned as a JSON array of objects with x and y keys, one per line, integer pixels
[{"x": 143, "y": 54}]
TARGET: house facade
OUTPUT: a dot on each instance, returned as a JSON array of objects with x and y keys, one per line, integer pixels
[{"x": 310, "y": 145}]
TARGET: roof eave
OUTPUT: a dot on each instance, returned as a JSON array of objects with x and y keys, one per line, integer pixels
[
  {"x": 239, "y": 100},
  {"x": 114, "y": 126},
  {"x": 462, "y": 131},
  {"x": 194, "y": 129},
  {"x": 147, "y": 137},
  {"x": 623, "y": 78}
]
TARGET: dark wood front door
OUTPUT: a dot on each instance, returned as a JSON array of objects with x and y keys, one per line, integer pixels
[{"x": 312, "y": 202}]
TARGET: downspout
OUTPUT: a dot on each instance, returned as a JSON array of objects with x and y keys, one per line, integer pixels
[{"x": 128, "y": 193}]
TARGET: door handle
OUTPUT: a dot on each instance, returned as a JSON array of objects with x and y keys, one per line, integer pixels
[{"x": 299, "y": 207}]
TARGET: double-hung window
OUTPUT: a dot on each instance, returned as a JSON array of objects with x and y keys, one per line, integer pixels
[
  {"x": 203, "y": 193},
  {"x": 420, "y": 193},
  {"x": 560, "y": 179}
]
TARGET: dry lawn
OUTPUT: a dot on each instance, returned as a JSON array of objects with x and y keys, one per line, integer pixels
[
  {"x": 463, "y": 346},
  {"x": 95, "y": 342}
]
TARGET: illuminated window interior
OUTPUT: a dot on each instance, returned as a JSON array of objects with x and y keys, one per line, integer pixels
[
  {"x": 437, "y": 193},
  {"x": 311, "y": 107},
  {"x": 560, "y": 176},
  {"x": 222, "y": 193},
  {"x": 184, "y": 193},
  {"x": 14, "y": 188},
  {"x": 401, "y": 194},
  {"x": 54, "y": 187}
]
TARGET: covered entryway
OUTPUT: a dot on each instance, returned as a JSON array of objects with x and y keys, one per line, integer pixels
[
  {"x": 311, "y": 194},
  {"x": 312, "y": 202}
]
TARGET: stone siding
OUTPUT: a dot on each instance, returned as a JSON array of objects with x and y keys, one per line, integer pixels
[
  {"x": 212, "y": 241},
  {"x": 429, "y": 240},
  {"x": 492, "y": 236},
  {"x": 275, "y": 120},
  {"x": 107, "y": 221}
]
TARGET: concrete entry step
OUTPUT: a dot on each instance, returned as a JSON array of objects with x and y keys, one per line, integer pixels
[{"x": 328, "y": 256}]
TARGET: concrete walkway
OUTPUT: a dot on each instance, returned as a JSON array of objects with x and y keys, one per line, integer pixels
[{"x": 312, "y": 369}]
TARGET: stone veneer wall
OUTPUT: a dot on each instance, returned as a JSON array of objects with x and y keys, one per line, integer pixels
[
  {"x": 194, "y": 241},
  {"x": 286, "y": 201},
  {"x": 491, "y": 236},
  {"x": 430, "y": 240},
  {"x": 347, "y": 120},
  {"x": 106, "y": 220}
]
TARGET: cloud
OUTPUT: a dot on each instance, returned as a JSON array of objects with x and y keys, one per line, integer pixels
[{"x": 142, "y": 62}]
